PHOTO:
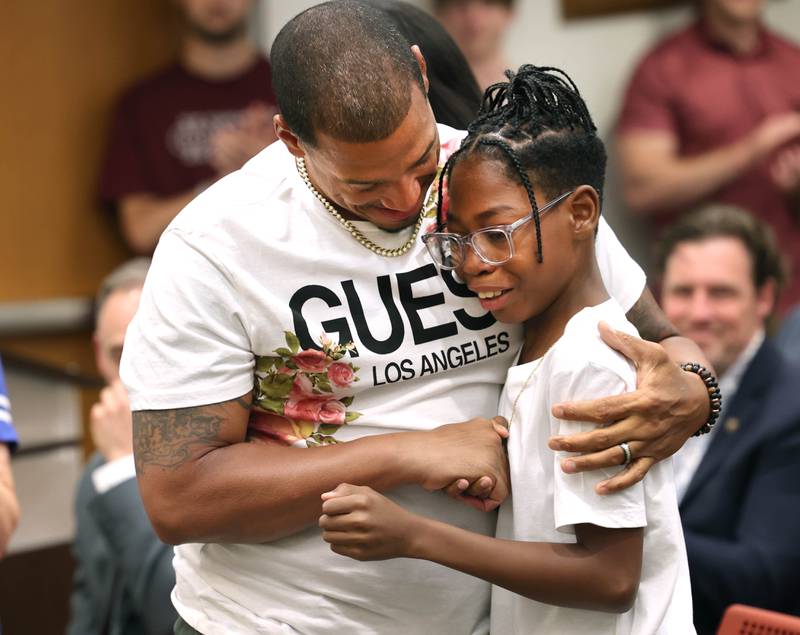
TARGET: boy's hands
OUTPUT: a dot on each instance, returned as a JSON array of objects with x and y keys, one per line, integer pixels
[
  {"x": 360, "y": 523},
  {"x": 668, "y": 406}
]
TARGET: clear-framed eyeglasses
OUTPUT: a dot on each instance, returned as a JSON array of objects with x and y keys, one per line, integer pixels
[{"x": 493, "y": 245}]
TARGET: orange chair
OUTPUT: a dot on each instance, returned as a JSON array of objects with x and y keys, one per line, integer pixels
[{"x": 748, "y": 620}]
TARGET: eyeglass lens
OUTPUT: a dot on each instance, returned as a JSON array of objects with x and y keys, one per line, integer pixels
[{"x": 491, "y": 245}]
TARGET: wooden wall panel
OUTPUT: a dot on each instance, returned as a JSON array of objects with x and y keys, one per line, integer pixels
[{"x": 63, "y": 66}]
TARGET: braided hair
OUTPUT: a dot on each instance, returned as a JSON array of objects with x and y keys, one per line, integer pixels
[{"x": 537, "y": 124}]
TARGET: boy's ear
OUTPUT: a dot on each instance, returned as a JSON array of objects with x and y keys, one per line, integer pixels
[{"x": 585, "y": 211}]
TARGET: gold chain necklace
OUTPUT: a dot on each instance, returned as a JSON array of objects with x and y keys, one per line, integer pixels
[
  {"x": 525, "y": 386},
  {"x": 354, "y": 231}
]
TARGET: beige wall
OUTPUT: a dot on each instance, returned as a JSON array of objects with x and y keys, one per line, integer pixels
[{"x": 599, "y": 54}]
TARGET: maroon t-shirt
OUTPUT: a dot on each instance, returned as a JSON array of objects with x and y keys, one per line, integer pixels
[
  {"x": 160, "y": 137},
  {"x": 709, "y": 97}
]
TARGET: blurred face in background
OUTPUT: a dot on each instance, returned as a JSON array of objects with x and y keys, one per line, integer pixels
[
  {"x": 216, "y": 21},
  {"x": 734, "y": 11},
  {"x": 709, "y": 295},
  {"x": 477, "y": 26},
  {"x": 112, "y": 322}
]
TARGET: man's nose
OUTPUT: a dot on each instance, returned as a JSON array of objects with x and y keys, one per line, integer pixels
[
  {"x": 700, "y": 307},
  {"x": 404, "y": 196}
]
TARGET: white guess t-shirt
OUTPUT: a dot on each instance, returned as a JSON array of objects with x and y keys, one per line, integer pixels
[
  {"x": 255, "y": 286},
  {"x": 547, "y": 503}
]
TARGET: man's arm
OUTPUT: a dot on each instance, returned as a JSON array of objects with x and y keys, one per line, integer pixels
[
  {"x": 668, "y": 406},
  {"x": 201, "y": 481},
  {"x": 9, "y": 506},
  {"x": 656, "y": 177},
  {"x": 144, "y": 217}
]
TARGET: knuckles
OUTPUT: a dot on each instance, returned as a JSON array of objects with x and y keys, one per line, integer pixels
[{"x": 602, "y": 439}]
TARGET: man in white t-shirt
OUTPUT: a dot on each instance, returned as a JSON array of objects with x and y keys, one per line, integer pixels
[{"x": 293, "y": 335}]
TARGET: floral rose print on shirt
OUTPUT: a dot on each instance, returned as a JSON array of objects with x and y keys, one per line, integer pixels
[{"x": 299, "y": 396}]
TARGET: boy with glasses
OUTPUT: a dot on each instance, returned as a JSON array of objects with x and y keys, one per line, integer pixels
[{"x": 565, "y": 560}]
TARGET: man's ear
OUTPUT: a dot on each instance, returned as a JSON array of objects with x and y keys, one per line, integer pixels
[
  {"x": 423, "y": 66},
  {"x": 585, "y": 211},
  {"x": 766, "y": 298},
  {"x": 289, "y": 138}
]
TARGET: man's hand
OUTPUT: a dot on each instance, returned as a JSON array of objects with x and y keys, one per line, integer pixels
[
  {"x": 785, "y": 173},
  {"x": 111, "y": 424},
  {"x": 668, "y": 406},
  {"x": 467, "y": 460},
  {"x": 774, "y": 131},
  {"x": 360, "y": 523},
  {"x": 232, "y": 146},
  {"x": 9, "y": 506}
]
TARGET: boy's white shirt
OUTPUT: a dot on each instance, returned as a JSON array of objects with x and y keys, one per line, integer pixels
[
  {"x": 547, "y": 503},
  {"x": 219, "y": 292}
]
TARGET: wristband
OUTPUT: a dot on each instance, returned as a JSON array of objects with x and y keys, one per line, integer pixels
[{"x": 713, "y": 394}]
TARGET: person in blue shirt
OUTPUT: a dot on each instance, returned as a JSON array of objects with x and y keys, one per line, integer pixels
[{"x": 9, "y": 506}]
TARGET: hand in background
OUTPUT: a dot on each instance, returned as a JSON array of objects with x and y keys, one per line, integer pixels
[
  {"x": 232, "y": 146},
  {"x": 775, "y": 131},
  {"x": 110, "y": 422},
  {"x": 785, "y": 174},
  {"x": 360, "y": 523}
]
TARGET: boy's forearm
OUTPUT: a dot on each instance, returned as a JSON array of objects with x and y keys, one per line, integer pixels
[{"x": 568, "y": 575}]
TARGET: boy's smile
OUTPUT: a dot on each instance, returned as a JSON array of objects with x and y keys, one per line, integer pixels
[{"x": 491, "y": 299}]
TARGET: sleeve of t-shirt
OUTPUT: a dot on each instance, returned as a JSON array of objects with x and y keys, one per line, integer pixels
[
  {"x": 8, "y": 434},
  {"x": 623, "y": 278},
  {"x": 188, "y": 343},
  {"x": 648, "y": 104},
  {"x": 574, "y": 498},
  {"x": 124, "y": 171}
]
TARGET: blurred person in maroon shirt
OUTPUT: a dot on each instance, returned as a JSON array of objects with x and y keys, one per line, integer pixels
[
  {"x": 478, "y": 27},
  {"x": 712, "y": 113},
  {"x": 189, "y": 124}
]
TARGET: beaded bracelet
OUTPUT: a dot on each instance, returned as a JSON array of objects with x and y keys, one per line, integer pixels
[{"x": 713, "y": 394}]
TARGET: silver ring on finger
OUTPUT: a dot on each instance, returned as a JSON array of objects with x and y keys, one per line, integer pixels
[{"x": 626, "y": 450}]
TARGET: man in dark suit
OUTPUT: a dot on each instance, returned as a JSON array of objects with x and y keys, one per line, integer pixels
[
  {"x": 738, "y": 486},
  {"x": 123, "y": 576}
]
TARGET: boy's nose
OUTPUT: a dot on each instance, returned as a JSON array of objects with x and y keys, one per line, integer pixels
[{"x": 473, "y": 264}]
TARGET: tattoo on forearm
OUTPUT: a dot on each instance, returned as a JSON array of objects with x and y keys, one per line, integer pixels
[
  {"x": 649, "y": 319},
  {"x": 168, "y": 438}
]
